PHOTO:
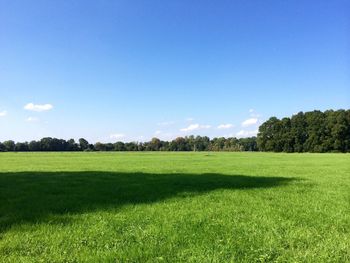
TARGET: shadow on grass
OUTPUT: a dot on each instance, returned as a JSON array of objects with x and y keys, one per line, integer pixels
[{"x": 31, "y": 196}]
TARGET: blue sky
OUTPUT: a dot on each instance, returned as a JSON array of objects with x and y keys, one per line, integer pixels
[{"x": 132, "y": 70}]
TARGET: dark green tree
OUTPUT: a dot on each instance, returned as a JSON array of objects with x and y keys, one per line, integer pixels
[
  {"x": 9, "y": 145},
  {"x": 83, "y": 144}
]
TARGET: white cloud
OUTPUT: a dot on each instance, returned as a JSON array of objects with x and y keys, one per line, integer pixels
[
  {"x": 245, "y": 133},
  {"x": 189, "y": 119},
  {"x": 249, "y": 122},
  {"x": 157, "y": 132},
  {"x": 194, "y": 127},
  {"x": 3, "y": 113},
  {"x": 32, "y": 119},
  {"x": 225, "y": 126},
  {"x": 254, "y": 114},
  {"x": 38, "y": 107},
  {"x": 117, "y": 136}
]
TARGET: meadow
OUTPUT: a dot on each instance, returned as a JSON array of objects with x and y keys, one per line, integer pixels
[{"x": 174, "y": 207}]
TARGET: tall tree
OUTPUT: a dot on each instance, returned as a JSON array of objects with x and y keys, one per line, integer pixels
[
  {"x": 9, "y": 145},
  {"x": 83, "y": 144}
]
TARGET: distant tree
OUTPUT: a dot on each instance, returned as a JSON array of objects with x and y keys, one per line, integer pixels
[
  {"x": 58, "y": 145},
  {"x": 298, "y": 132},
  {"x": 72, "y": 145},
  {"x": 99, "y": 146},
  {"x": 285, "y": 136},
  {"x": 2, "y": 147},
  {"x": 313, "y": 131},
  {"x": 84, "y": 144},
  {"x": 201, "y": 143},
  {"x": 179, "y": 144},
  {"x": 9, "y": 145},
  {"x": 21, "y": 147},
  {"x": 34, "y": 146},
  {"x": 347, "y": 136},
  {"x": 339, "y": 131},
  {"x": 248, "y": 144},
  {"x": 268, "y": 136},
  {"x": 217, "y": 144},
  {"x": 119, "y": 146},
  {"x": 131, "y": 146},
  {"x": 46, "y": 144},
  {"x": 164, "y": 146},
  {"x": 191, "y": 143},
  {"x": 154, "y": 145},
  {"x": 233, "y": 144},
  {"x": 315, "y": 127},
  {"x": 109, "y": 147}
]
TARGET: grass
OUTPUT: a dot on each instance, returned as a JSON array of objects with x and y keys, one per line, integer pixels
[{"x": 174, "y": 207}]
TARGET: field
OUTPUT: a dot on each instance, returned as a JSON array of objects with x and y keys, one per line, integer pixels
[{"x": 174, "y": 207}]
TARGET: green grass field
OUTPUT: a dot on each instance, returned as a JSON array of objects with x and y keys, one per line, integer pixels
[{"x": 174, "y": 207}]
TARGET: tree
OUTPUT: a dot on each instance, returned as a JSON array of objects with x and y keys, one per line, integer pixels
[
  {"x": 315, "y": 128},
  {"x": 247, "y": 144},
  {"x": 338, "y": 128},
  {"x": 9, "y": 145},
  {"x": 2, "y": 147},
  {"x": 34, "y": 146},
  {"x": 217, "y": 144},
  {"x": 202, "y": 143},
  {"x": 298, "y": 132},
  {"x": 131, "y": 146},
  {"x": 154, "y": 145},
  {"x": 109, "y": 147},
  {"x": 119, "y": 146},
  {"x": 99, "y": 146},
  {"x": 21, "y": 147},
  {"x": 83, "y": 144},
  {"x": 46, "y": 144},
  {"x": 72, "y": 145},
  {"x": 313, "y": 131},
  {"x": 179, "y": 144},
  {"x": 268, "y": 134}
]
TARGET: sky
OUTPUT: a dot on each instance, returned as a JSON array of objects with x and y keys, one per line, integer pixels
[{"x": 132, "y": 70}]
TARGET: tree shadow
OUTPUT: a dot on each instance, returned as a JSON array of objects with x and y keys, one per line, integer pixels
[{"x": 31, "y": 197}]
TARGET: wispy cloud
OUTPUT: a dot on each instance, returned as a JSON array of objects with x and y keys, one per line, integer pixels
[
  {"x": 190, "y": 119},
  {"x": 157, "y": 132},
  {"x": 117, "y": 136},
  {"x": 32, "y": 119},
  {"x": 3, "y": 113},
  {"x": 254, "y": 114},
  {"x": 245, "y": 133},
  {"x": 225, "y": 126},
  {"x": 38, "y": 107},
  {"x": 249, "y": 122},
  {"x": 194, "y": 127}
]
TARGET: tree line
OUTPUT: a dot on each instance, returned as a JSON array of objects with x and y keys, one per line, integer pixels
[
  {"x": 313, "y": 131},
  {"x": 188, "y": 143}
]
